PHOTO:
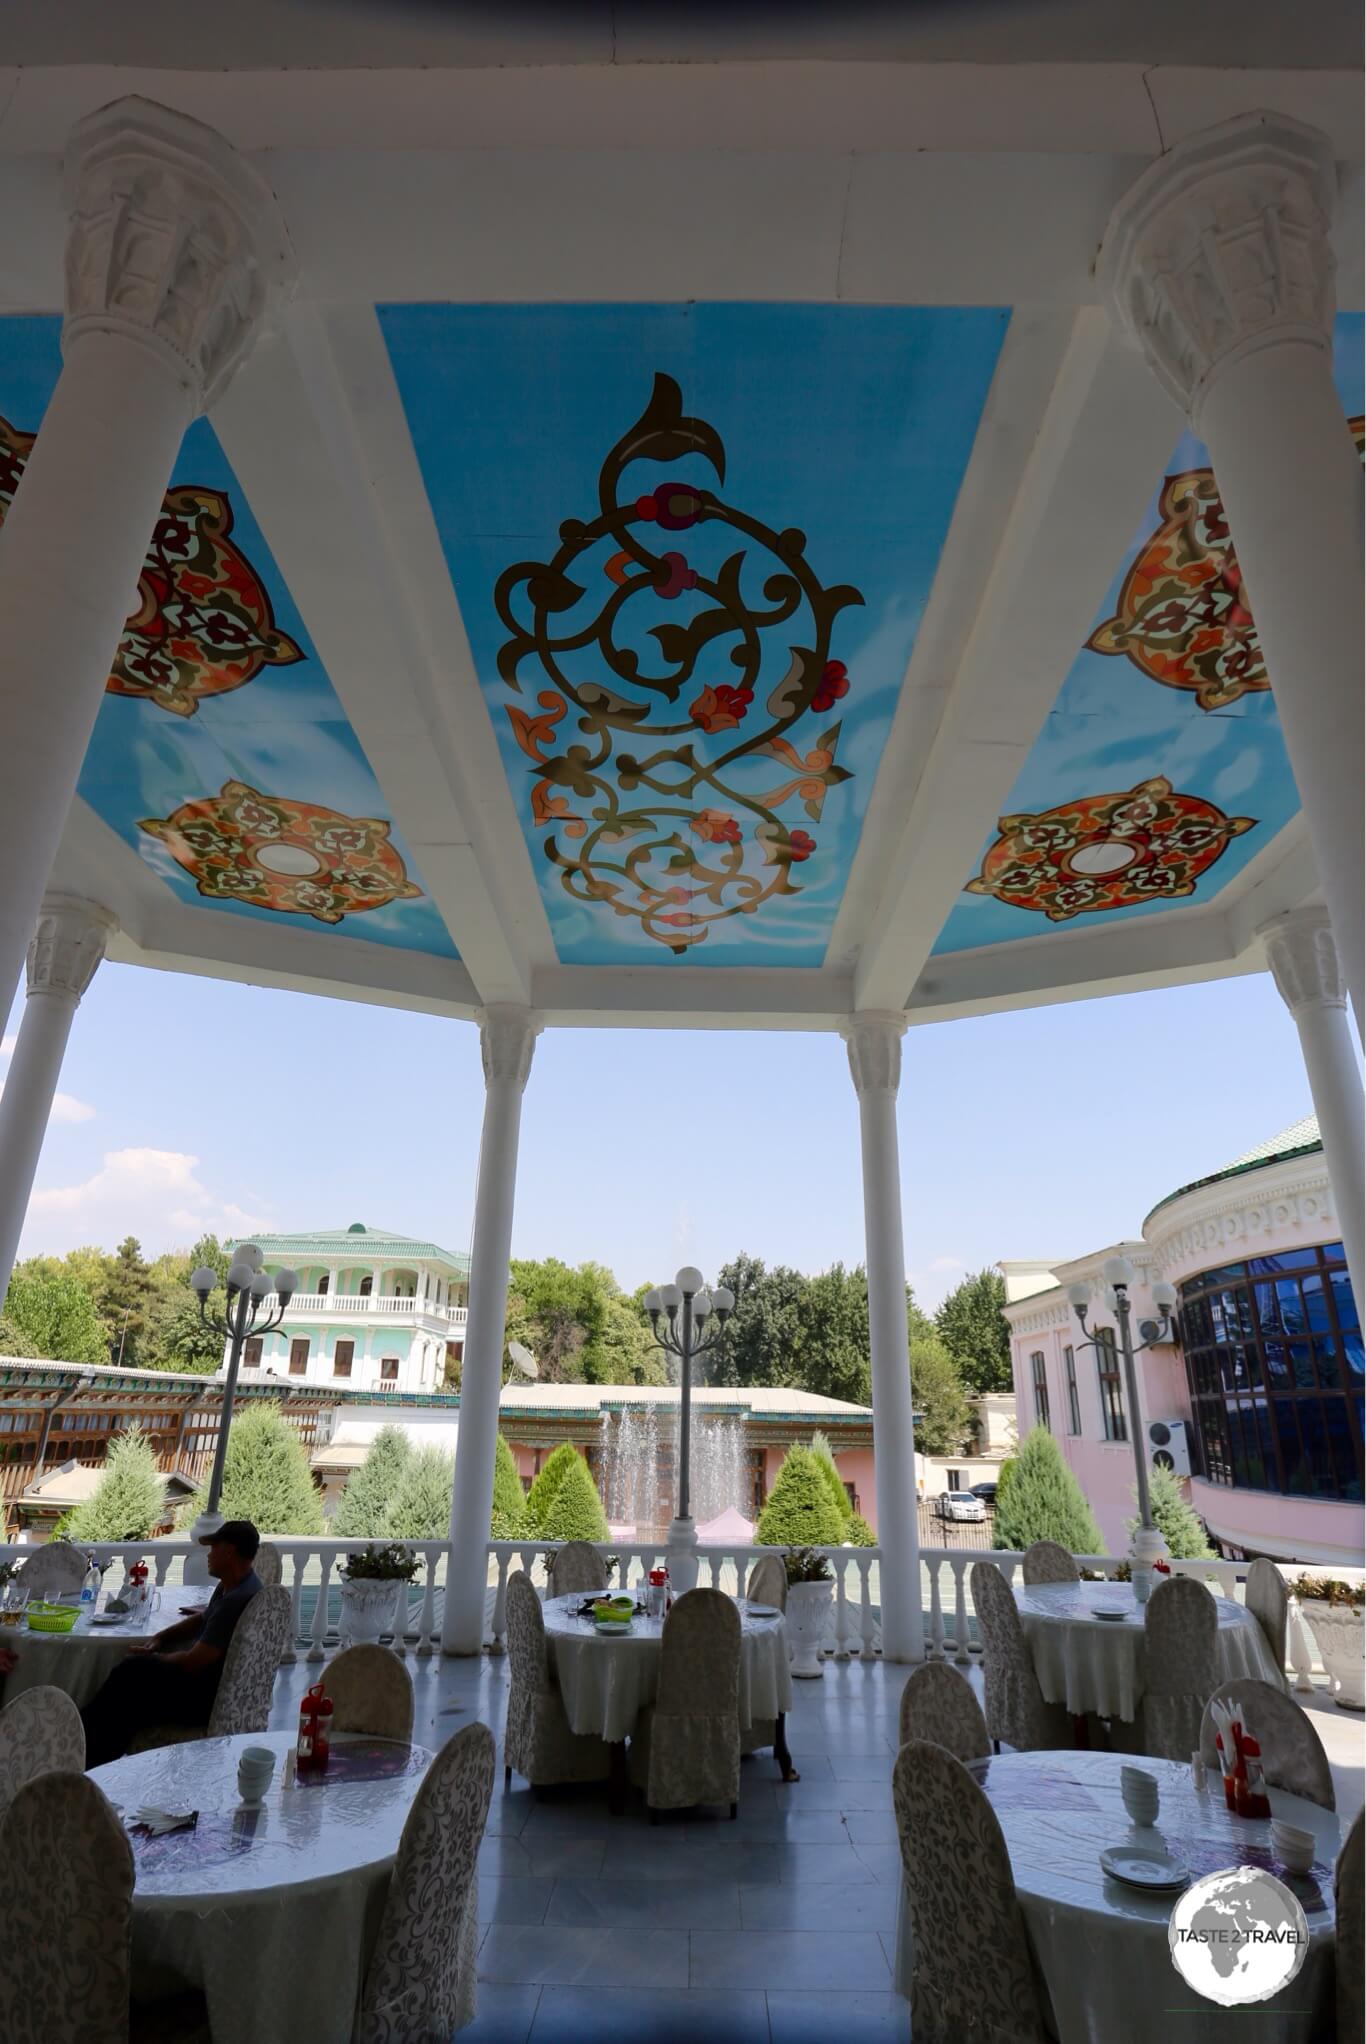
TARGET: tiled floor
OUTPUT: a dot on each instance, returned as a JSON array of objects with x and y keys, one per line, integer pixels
[{"x": 775, "y": 1929}]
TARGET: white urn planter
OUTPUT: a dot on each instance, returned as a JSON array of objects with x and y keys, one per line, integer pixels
[
  {"x": 368, "y": 1604},
  {"x": 1340, "y": 1635},
  {"x": 808, "y": 1611}
]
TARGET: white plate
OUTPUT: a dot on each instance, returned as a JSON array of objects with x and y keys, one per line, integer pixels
[
  {"x": 1113, "y": 1617},
  {"x": 1144, "y": 1866},
  {"x": 763, "y": 1610},
  {"x": 111, "y": 1618}
]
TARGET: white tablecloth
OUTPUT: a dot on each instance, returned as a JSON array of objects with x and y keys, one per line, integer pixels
[
  {"x": 606, "y": 1683},
  {"x": 1101, "y": 1948},
  {"x": 78, "y": 1661},
  {"x": 273, "y": 1916},
  {"x": 1094, "y": 1664}
]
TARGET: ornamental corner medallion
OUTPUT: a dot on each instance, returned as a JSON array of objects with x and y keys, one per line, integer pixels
[
  {"x": 1106, "y": 851},
  {"x": 203, "y": 624},
  {"x": 676, "y": 642},
  {"x": 295, "y": 858}
]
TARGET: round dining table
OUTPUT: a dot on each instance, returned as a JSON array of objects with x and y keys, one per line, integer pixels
[
  {"x": 607, "y": 1680},
  {"x": 1101, "y": 1948},
  {"x": 1094, "y": 1663},
  {"x": 78, "y": 1661},
  {"x": 271, "y": 1910}
]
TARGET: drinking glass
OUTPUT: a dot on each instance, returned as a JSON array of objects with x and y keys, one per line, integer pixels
[{"x": 13, "y": 1605}]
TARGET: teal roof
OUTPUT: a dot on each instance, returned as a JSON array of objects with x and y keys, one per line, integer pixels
[
  {"x": 1296, "y": 1141},
  {"x": 355, "y": 1244}
]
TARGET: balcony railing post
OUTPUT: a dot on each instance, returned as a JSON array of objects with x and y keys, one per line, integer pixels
[
  {"x": 426, "y": 1624},
  {"x": 318, "y": 1649},
  {"x": 960, "y": 1612}
]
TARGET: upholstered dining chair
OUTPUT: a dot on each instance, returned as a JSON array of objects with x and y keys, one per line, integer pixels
[
  {"x": 371, "y": 1691},
  {"x": 967, "y": 1933},
  {"x": 1046, "y": 1562},
  {"x": 1015, "y": 1706},
  {"x": 69, "y": 1914},
  {"x": 247, "y": 1685},
  {"x": 686, "y": 1747},
  {"x": 577, "y": 1566},
  {"x": 538, "y": 1741},
  {"x": 1351, "y": 1943},
  {"x": 40, "y": 1733},
  {"x": 768, "y": 1582},
  {"x": 1292, "y": 1751},
  {"x": 1179, "y": 1667},
  {"x": 420, "y": 1984},
  {"x": 938, "y": 1704},
  {"x": 56, "y": 1567},
  {"x": 1269, "y": 1602},
  {"x": 269, "y": 1565}
]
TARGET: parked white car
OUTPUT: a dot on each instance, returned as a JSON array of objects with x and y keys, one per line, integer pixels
[{"x": 959, "y": 1504}]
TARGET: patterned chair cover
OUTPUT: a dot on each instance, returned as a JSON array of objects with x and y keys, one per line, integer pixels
[
  {"x": 768, "y": 1582},
  {"x": 421, "y": 1980},
  {"x": 1180, "y": 1667},
  {"x": 1292, "y": 1752},
  {"x": 40, "y": 1733},
  {"x": 371, "y": 1691},
  {"x": 576, "y": 1566},
  {"x": 1351, "y": 1945},
  {"x": 246, "y": 1687},
  {"x": 1047, "y": 1562},
  {"x": 686, "y": 1748},
  {"x": 58, "y": 1566},
  {"x": 938, "y": 1704},
  {"x": 1269, "y": 1602},
  {"x": 269, "y": 1565},
  {"x": 538, "y": 1741},
  {"x": 969, "y": 1949},
  {"x": 1015, "y": 1707},
  {"x": 64, "y": 1973}
]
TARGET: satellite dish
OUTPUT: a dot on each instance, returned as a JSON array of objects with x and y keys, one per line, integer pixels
[{"x": 522, "y": 1359}]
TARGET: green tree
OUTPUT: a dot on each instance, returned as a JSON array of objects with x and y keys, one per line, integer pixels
[
  {"x": 1044, "y": 1501},
  {"x": 57, "y": 1315},
  {"x": 541, "y": 1496},
  {"x": 800, "y": 1511},
  {"x": 763, "y": 1336},
  {"x": 509, "y": 1517},
  {"x": 422, "y": 1503},
  {"x": 124, "y": 1302},
  {"x": 579, "y": 1325},
  {"x": 973, "y": 1328},
  {"x": 824, "y": 1457},
  {"x": 266, "y": 1476},
  {"x": 576, "y": 1510},
  {"x": 833, "y": 1358},
  {"x": 175, "y": 1336},
  {"x": 857, "y": 1532},
  {"x": 128, "y": 1502},
  {"x": 13, "y": 1340},
  {"x": 939, "y": 1396},
  {"x": 363, "y": 1513},
  {"x": 1174, "y": 1518}
]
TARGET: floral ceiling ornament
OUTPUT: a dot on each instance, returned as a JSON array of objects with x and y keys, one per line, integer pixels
[
  {"x": 1183, "y": 616},
  {"x": 700, "y": 637},
  {"x": 294, "y": 857},
  {"x": 203, "y": 622},
  {"x": 1106, "y": 851}
]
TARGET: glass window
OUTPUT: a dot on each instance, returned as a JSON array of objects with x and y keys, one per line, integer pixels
[
  {"x": 1302, "y": 1365},
  {"x": 388, "y": 1370},
  {"x": 1291, "y": 1305},
  {"x": 1342, "y": 1299},
  {"x": 1326, "y": 1361},
  {"x": 341, "y": 1358},
  {"x": 251, "y": 1355},
  {"x": 1111, "y": 1386},
  {"x": 1073, "y": 1402},
  {"x": 323, "y": 1283},
  {"x": 298, "y": 1356},
  {"x": 1315, "y": 1304},
  {"x": 1354, "y": 1355},
  {"x": 1040, "y": 1371},
  {"x": 1289, "y": 1259}
]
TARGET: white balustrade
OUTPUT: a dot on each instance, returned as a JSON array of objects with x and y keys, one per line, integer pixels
[{"x": 353, "y": 1305}]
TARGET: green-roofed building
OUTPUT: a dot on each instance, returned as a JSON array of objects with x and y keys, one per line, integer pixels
[{"x": 374, "y": 1310}]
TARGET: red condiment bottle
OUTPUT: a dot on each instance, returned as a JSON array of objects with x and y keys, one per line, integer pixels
[
  {"x": 1226, "y": 1772},
  {"x": 310, "y": 1730},
  {"x": 322, "y": 1736}
]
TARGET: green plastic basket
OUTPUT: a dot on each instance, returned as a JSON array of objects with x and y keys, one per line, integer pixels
[{"x": 52, "y": 1617}]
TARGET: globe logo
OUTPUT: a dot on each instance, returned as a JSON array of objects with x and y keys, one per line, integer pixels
[{"x": 1238, "y": 1937}]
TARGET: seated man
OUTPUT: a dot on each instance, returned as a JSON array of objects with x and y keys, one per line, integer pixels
[{"x": 173, "y": 1679}]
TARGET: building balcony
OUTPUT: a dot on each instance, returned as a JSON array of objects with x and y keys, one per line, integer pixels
[{"x": 357, "y": 1305}]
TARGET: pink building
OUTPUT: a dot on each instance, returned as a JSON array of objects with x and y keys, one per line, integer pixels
[{"x": 1261, "y": 1390}]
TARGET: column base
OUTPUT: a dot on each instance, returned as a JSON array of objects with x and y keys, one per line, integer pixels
[
  {"x": 682, "y": 1556},
  {"x": 196, "y": 1568}
]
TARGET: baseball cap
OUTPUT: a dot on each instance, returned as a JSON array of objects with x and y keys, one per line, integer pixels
[{"x": 238, "y": 1533}]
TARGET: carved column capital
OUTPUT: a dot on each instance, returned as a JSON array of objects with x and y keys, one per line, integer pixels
[
  {"x": 873, "y": 1039},
  {"x": 507, "y": 1039},
  {"x": 1303, "y": 959},
  {"x": 1222, "y": 248},
  {"x": 67, "y": 945},
  {"x": 173, "y": 240}
]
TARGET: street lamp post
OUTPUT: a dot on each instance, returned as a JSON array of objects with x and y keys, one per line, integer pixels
[
  {"x": 686, "y": 1307},
  {"x": 244, "y": 1314},
  {"x": 1148, "y": 1544}
]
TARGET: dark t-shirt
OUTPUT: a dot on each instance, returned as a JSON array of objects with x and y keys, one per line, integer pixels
[{"x": 220, "y": 1620}]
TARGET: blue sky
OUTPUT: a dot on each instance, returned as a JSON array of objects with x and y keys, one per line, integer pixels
[{"x": 190, "y": 1103}]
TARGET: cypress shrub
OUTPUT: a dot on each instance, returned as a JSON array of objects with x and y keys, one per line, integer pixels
[
  {"x": 541, "y": 1496},
  {"x": 363, "y": 1512},
  {"x": 800, "y": 1511},
  {"x": 1174, "y": 1518},
  {"x": 128, "y": 1499},
  {"x": 576, "y": 1511},
  {"x": 824, "y": 1456},
  {"x": 509, "y": 1519},
  {"x": 1044, "y": 1501}
]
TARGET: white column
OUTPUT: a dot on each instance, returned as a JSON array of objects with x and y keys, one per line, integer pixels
[
  {"x": 874, "y": 1043},
  {"x": 172, "y": 245},
  {"x": 1218, "y": 262},
  {"x": 507, "y": 1038},
  {"x": 1304, "y": 964},
  {"x": 66, "y": 948}
]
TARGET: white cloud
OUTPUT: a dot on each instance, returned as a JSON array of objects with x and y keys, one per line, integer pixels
[
  {"x": 153, "y": 1194},
  {"x": 66, "y": 1108}
]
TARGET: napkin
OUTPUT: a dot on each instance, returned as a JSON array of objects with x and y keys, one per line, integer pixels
[
  {"x": 1222, "y": 1713},
  {"x": 159, "y": 1822}
]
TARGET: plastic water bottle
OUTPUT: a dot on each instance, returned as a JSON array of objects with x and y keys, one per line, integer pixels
[{"x": 90, "y": 1588}]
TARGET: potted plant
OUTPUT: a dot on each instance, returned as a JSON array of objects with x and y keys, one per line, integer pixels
[
  {"x": 373, "y": 1579},
  {"x": 810, "y": 1587},
  {"x": 1336, "y": 1612}
]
